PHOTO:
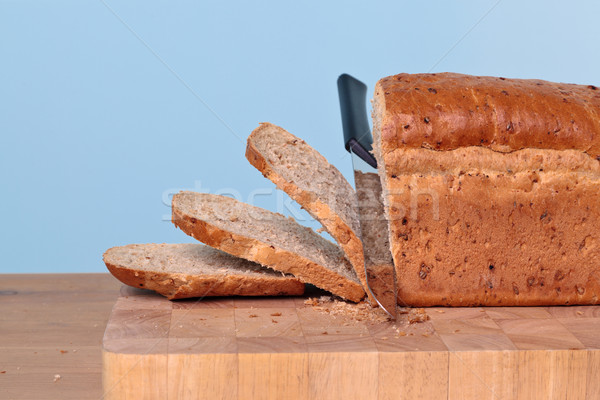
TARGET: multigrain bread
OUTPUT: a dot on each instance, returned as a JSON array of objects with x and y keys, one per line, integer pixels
[
  {"x": 267, "y": 238},
  {"x": 180, "y": 271},
  {"x": 308, "y": 178},
  {"x": 374, "y": 234},
  {"x": 491, "y": 189}
]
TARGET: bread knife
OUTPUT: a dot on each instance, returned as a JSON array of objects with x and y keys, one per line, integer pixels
[{"x": 379, "y": 267}]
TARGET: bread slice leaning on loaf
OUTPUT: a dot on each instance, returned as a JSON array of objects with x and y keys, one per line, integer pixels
[
  {"x": 374, "y": 233},
  {"x": 267, "y": 238},
  {"x": 308, "y": 178},
  {"x": 180, "y": 271},
  {"x": 491, "y": 189}
]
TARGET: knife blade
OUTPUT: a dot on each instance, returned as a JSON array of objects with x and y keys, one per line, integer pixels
[{"x": 379, "y": 266}]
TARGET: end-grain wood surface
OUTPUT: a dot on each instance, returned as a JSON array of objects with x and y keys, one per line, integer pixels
[{"x": 283, "y": 348}]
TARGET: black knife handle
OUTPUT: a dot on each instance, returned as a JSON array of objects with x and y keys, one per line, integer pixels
[{"x": 355, "y": 121}]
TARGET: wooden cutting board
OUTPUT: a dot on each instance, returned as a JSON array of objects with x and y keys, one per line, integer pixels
[{"x": 282, "y": 348}]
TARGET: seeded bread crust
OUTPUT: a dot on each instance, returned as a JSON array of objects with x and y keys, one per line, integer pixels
[
  {"x": 179, "y": 271},
  {"x": 207, "y": 218},
  {"x": 493, "y": 200},
  {"x": 447, "y": 111},
  {"x": 335, "y": 208}
]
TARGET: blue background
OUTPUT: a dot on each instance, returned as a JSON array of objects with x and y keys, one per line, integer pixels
[{"x": 107, "y": 107}]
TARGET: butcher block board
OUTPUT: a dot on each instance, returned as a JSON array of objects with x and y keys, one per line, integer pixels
[{"x": 282, "y": 348}]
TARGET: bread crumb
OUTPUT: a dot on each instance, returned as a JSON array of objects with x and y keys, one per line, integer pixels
[
  {"x": 320, "y": 230},
  {"x": 440, "y": 311},
  {"x": 456, "y": 330},
  {"x": 417, "y": 315},
  {"x": 579, "y": 312},
  {"x": 324, "y": 333},
  {"x": 64, "y": 351},
  {"x": 273, "y": 321},
  {"x": 276, "y": 314},
  {"x": 57, "y": 377},
  {"x": 363, "y": 311},
  {"x": 401, "y": 333},
  {"x": 2, "y": 372},
  {"x": 74, "y": 350},
  {"x": 384, "y": 338},
  {"x": 351, "y": 312},
  {"x": 252, "y": 316},
  {"x": 425, "y": 334},
  {"x": 311, "y": 302}
]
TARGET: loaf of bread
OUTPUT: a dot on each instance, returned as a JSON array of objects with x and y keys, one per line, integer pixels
[
  {"x": 490, "y": 187},
  {"x": 180, "y": 271}
]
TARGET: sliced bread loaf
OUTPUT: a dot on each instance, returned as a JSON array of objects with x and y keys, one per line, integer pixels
[
  {"x": 179, "y": 271},
  {"x": 267, "y": 238},
  {"x": 320, "y": 188}
]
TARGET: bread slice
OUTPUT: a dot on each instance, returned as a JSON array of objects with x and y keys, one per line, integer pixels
[
  {"x": 267, "y": 238},
  {"x": 320, "y": 188},
  {"x": 374, "y": 233},
  {"x": 179, "y": 271}
]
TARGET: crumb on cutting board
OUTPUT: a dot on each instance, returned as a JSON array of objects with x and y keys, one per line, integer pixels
[
  {"x": 417, "y": 315},
  {"x": 362, "y": 312}
]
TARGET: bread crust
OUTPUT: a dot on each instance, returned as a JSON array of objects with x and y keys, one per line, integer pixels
[
  {"x": 348, "y": 240},
  {"x": 264, "y": 254},
  {"x": 481, "y": 215},
  {"x": 496, "y": 240},
  {"x": 446, "y": 111},
  {"x": 180, "y": 286}
]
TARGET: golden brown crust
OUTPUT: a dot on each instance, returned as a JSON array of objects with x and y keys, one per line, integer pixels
[
  {"x": 180, "y": 286},
  {"x": 529, "y": 237},
  {"x": 344, "y": 235},
  {"x": 446, "y": 111},
  {"x": 264, "y": 254}
]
